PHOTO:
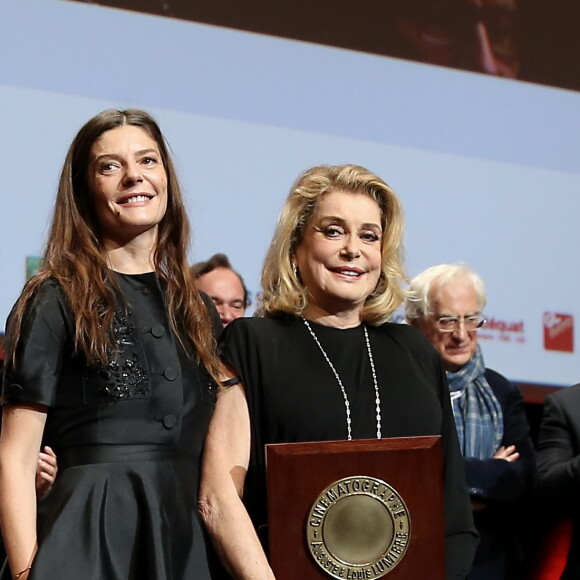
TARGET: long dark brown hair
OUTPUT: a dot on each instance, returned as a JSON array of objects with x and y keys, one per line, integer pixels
[{"x": 75, "y": 255}]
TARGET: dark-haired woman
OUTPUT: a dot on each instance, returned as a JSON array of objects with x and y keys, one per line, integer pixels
[{"x": 110, "y": 360}]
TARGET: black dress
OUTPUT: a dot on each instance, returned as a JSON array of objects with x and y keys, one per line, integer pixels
[
  {"x": 128, "y": 439},
  {"x": 294, "y": 396}
]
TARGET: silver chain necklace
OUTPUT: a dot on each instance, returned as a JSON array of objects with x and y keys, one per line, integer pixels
[{"x": 345, "y": 396}]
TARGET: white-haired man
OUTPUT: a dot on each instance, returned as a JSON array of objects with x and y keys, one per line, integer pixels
[{"x": 446, "y": 302}]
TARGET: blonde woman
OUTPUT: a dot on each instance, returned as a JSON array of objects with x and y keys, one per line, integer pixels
[{"x": 322, "y": 362}]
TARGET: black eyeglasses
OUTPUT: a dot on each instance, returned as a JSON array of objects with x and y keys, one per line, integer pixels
[{"x": 452, "y": 323}]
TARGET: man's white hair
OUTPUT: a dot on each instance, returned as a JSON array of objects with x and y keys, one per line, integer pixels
[{"x": 417, "y": 296}]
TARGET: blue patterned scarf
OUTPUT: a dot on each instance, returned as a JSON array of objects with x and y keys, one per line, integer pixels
[{"x": 477, "y": 412}]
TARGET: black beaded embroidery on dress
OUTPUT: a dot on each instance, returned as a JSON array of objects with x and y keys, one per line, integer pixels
[
  {"x": 125, "y": 376},
  {"x": 210, "y": 387}
]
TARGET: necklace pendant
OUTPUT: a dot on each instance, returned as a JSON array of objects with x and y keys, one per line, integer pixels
[{"x": 343, "y": 390}]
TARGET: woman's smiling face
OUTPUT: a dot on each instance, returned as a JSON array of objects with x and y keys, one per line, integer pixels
[
  {"x": 128, "y": 182},
  {"x": 339, "y": 256}
]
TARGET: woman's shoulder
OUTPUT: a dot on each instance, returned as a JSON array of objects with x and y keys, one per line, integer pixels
[
  {"x": 405, "y": 334},
  {"x": 246, "y": 338},
  {"x": 261, "y": 326},
  {"x": 262, "y": 332},
  {"x": 412, "y": 341},
  {"x": 41, "y": 295},
  {"x": 45, "y": 313},
  {"x": 50, "y": 289}
]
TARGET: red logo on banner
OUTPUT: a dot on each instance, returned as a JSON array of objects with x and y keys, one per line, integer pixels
[{"x": 558, "y": 331}]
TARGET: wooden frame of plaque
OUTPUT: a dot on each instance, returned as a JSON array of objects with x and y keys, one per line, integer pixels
[{"x": 360, "y": 509}]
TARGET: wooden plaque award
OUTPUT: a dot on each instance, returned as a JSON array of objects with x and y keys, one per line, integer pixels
[{"x": 361, "y": 509}]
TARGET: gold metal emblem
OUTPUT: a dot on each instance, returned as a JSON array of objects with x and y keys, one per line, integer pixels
[{"x": 358, "y": 528}]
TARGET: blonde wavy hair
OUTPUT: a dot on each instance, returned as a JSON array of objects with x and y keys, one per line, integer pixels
[{"x": 282, "y": 291}]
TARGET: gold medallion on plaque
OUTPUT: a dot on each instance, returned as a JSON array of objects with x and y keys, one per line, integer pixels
[{"x": 358, "y": 527}]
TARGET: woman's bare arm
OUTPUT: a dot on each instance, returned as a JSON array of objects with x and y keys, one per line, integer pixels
[
  {"x": 226, "y": 458},
  {"x": 20, "y": 440}
]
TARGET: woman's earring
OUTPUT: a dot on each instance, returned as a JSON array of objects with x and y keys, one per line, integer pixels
[{"x": 295, "y": 268}]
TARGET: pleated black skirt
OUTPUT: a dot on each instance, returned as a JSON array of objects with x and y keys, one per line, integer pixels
[{"x": 121, "y": 513}]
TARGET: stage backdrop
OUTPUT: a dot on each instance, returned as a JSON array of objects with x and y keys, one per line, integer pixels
[{"x": 487, "y": 167}]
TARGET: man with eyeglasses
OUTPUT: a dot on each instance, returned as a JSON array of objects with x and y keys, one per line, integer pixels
[{"x": 446, "y": 302}]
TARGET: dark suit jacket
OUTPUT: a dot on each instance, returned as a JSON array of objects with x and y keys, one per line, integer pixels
[
  {"x": 558, "y": 477},
  {"x": 501, "y": 486}
]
